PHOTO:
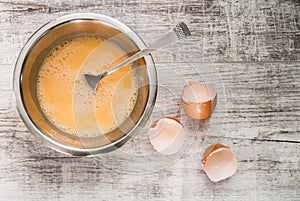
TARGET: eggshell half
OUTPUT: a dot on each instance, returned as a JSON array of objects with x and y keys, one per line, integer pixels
[
  {"x": 219, "y": 162},
  {"x": 167, "y": 135},
  {"x": 199, "y": 99}
]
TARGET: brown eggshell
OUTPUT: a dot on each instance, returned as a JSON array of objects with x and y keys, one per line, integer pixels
[
  {"x": 219, "y": 162},
  {"x": 167, "y": 135},
  {"x": 199, "y": 100}
]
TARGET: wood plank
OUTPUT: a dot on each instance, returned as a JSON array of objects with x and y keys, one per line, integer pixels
[
  {"x": 223, "y": 30},
  {"x": 260, "y": 175}
]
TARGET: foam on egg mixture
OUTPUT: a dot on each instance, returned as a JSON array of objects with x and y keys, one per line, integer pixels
[{"x": 113, "y": 101}]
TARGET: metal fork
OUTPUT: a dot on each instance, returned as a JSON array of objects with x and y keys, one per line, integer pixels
[{"x": 180, "y": 31}]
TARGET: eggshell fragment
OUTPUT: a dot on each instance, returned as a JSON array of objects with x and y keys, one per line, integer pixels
[
  {"x": 199, "y": 99},
  {"x": 219, "y": 162},
  {"x": 167, "y": 135}
]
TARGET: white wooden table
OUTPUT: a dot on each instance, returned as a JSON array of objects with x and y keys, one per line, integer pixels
[{"x": 255, "y": 47}]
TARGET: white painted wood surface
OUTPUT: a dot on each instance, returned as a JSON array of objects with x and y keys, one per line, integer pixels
[{"x": 256, "y": 49}]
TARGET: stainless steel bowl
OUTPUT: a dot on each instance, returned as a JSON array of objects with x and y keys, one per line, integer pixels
[{"x": 35, "y": 51}]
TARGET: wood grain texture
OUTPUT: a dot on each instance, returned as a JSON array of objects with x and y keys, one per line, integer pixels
[{"x": 255, "y": 47}]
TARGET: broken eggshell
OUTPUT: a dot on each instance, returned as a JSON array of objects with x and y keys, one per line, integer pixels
[
  {"x": 167, "y": 135},
  {"x": 198, "y": 99},
  {"x": 219, "y": 162}
]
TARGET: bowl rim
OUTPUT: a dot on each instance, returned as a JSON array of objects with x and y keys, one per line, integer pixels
[{"x": 17, "y": 82}]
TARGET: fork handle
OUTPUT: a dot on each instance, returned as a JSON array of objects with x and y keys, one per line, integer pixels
[{"x": 168, "y": 38}]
